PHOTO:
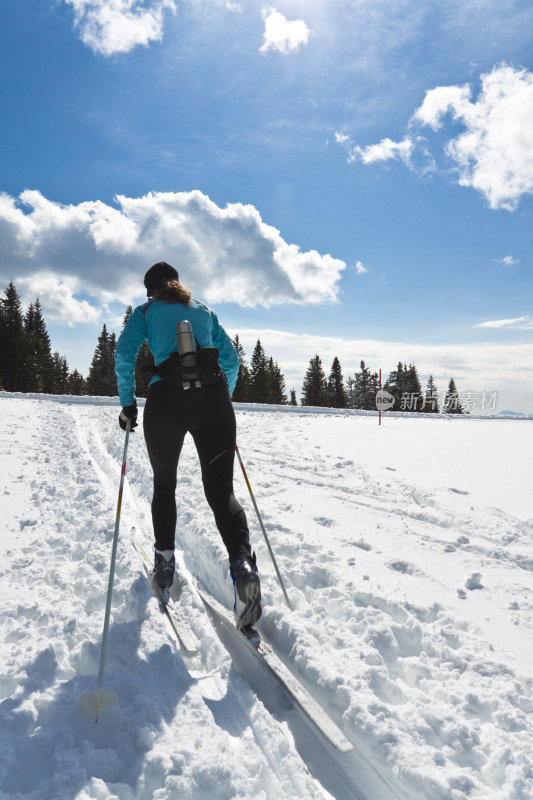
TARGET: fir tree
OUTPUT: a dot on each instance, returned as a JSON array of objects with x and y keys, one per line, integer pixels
[
  {"x": 42, "y": 365},
  {"x": 15, "y": 356},
  {"x": 61, "y": 373},
  {"x": 315, "y": 385},
  {"x": 293, "y": 401},
  {"x": 277, "y": 384},
  {"x": 397, "y": 385},
  {"x": 110, "y": 377},
  {"x": 102, "y": 380},
  {"x": 365, "y": 388},
  {"x": 144, "y": 370},
  {"x": 350, "y": 392},
  {"x": 259, "y": 376},
  {"x": 336, "y": 390},
  {"x": 241, "y": 392},
  {"x": 127, "y": 315},
  {"x": 415, "y": 399},
  {"x": 76, "y": 383},
  {"x": 451, "y": 400},
  {"x": 431, "y": 405}
]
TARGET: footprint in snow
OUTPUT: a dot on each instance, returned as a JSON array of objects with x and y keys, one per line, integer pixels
[
  {"x": 404, "y": 567},
  {"x": 325, "y": 521},
  {"x": 458, "y": 491},
  {"x": 474, "y": 582}
]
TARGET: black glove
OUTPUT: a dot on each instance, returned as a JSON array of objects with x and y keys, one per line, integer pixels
[{"x": 128, "y": 413}]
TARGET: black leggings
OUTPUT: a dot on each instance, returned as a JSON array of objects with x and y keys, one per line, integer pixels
[{"x": 207, "y": 414}]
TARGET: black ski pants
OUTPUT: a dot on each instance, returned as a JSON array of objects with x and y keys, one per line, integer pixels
[{"x": 207, "y": 414}]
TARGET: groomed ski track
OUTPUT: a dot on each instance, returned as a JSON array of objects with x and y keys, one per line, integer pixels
[{"x": 210, "y": 725}]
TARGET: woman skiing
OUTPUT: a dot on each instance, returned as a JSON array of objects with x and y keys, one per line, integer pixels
[{"x": 190, "y": 392}]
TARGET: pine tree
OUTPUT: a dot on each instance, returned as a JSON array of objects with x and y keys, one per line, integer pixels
[
  {"x": 336, "y": 390},
  {"x": 15, "y": 356},
  {"x": 76, "y": 383},
  {"x": 127, "y": 315},
  {"x": 315, "y": 385},
  {"x": 110, "y": 377},
  {"x": 277, "y": 384},
  {"x": 413, "y": 389},
  {"x": 365, "y": 388},
  {"x": 451, "y": 401},
  {"x": 293, "y": 401},
  {"x": 102, "y": 380},
  {"x": 144, "y": 370},
  {"x": 259, "y": 376},
  {"x": 350, "y": 392},
  {"x": 61, "y": 373},
  {"x": 42, "y": 365},
  {"x": 431, "y": 405},
  {"x": 241, "y": 392},
  {"x": 397, "y": 384}
]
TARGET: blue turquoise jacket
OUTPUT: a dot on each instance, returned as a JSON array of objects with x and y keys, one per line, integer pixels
[{"x": 156, "y": 321}]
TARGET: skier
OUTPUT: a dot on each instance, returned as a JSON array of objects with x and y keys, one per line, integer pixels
[{"x": 194, "y": 398}]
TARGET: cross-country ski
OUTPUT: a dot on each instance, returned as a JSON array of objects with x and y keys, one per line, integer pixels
[{"x": 179, "y": 625}]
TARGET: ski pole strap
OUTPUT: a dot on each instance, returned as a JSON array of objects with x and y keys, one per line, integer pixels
[{"x": 280, "y": 579}]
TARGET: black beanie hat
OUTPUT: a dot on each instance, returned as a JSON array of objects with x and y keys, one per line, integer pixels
[{"x": 157, "y": 274}]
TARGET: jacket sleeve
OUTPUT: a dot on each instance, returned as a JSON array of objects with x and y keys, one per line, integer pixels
[
  {"x": 227, "y": 355},
  {"x": 128, "y": 345}
]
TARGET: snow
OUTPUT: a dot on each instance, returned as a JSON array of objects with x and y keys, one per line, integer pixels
[{"x": 407, "y": 551}]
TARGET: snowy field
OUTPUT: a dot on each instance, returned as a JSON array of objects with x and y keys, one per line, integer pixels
[{"x": 407, "y": 551}]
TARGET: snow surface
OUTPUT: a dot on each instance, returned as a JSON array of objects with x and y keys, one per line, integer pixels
[{"x": 407, "y": 550}]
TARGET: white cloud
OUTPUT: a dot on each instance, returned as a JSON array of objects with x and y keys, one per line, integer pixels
[
  {"x": 509, "y": 261},
  {"x": 117, "y": 26},
  {"x": 517, "y": 323},
  {"x": 57, "y": 297},
  {"x": 383, "y": 151},
  {"x": 494, "y": 154},
  {"x": 341, "y": 138},
  {"x": 360, "y": 268},
  {"x": 225, "y": 254},
  {"x": 438, "y": 102},
  {"x": 282, "y": 34}
]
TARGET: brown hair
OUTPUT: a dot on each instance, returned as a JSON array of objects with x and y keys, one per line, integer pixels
[{"x": 172, "y": 292}]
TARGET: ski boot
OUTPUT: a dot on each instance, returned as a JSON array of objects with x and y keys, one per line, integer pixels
[
  {"x": 162, "y": 575},
  {"x": 247, "y": 588}
]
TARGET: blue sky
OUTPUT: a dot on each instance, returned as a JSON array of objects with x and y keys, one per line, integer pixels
[{"x": 349, "y": 178}]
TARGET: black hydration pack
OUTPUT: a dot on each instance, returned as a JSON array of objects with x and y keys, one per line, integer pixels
[{"x": 192, "y": 366}]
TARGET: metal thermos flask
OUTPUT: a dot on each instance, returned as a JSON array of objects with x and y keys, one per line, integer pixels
[{"x": 187, "y": 351}]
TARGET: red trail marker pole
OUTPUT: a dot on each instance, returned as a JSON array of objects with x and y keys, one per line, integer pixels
[{"x": 380, "y": 396}]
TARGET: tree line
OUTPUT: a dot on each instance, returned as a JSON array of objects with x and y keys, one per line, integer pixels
[
  {"x": 360, "y": 390},
  {"x": 27, "y": 364}
]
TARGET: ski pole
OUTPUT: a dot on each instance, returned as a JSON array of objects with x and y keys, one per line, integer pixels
[
  {"x": 285, "y": 595},
  {"x": 100, "y": 698}
]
